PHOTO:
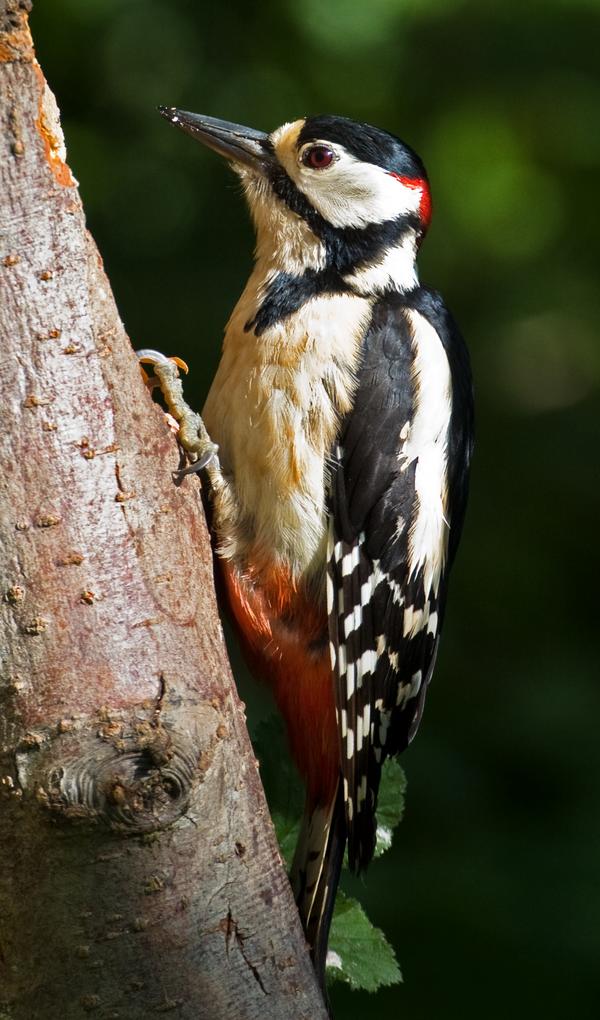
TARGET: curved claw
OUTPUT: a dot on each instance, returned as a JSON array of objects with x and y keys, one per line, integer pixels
[
  {"x": 149, "y": 357},
  {"x": 191, "y": 431},
  {"x": 198, "y": 465},
  {"x": 180, "y": 363}
]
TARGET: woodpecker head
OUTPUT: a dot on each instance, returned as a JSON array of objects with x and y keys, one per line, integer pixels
[{"x": 327, "y": 193}]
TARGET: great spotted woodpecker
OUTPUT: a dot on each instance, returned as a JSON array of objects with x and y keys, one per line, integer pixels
[{"x": 342, "y": 410}]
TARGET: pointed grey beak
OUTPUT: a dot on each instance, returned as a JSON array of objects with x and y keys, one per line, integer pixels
[{"x": 237, "y": 143}]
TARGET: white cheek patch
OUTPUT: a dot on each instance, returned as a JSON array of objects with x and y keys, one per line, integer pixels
[
  {"x": 349, "y": 193},
  {"x": 355, "y": 194}
]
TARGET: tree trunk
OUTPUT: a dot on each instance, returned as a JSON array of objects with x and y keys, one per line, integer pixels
[{"x": 139, "y": 870}]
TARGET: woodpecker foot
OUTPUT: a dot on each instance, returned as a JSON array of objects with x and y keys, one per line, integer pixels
[{"x": 191, "y": 435}]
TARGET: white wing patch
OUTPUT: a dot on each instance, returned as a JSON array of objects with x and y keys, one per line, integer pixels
[{"x": 427, "y": 444}]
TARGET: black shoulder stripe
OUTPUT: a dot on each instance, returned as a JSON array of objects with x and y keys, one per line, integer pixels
[{"x": 371, "y": 433}]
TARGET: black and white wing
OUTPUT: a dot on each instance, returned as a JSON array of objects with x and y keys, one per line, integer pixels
[{"x": 397, "y": 502}]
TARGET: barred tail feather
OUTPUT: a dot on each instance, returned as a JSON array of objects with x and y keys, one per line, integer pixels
[{"x": 316, "y": 873}]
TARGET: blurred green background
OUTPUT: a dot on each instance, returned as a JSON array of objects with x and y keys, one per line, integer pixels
[{"x": 491, "y": 893}]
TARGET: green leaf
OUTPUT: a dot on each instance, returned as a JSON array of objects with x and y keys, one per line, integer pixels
[
  {"x": 282, "y": 784},
  {"x": 390, "y": 806},
  {"x": 359, "y": 953}
]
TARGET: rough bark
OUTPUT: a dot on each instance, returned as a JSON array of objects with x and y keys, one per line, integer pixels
[{"x": 139, "y": 873}]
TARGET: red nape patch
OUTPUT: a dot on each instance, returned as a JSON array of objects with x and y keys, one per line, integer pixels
[{"x": 425, "y": 203}]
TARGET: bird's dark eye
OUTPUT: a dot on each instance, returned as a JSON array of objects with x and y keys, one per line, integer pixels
[{"x": 318, "y": 157}]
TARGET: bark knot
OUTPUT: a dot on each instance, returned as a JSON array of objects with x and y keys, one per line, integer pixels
[{"x": 136, "y": 783}]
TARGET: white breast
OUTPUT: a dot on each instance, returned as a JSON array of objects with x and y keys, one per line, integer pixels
[{"x": 274, "y": 408}]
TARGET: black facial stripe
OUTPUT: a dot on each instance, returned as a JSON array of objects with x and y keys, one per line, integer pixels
[
  {"x": 350, "y": 248},
  {"x": 287, "y": 293},
  {"x": 346, "y": 248},
  {"x": 286, "y": 190}
]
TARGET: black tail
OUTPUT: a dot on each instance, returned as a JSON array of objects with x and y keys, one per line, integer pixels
[{"x": 316, "y": 873}]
